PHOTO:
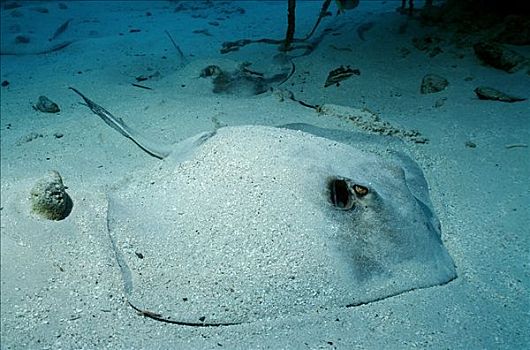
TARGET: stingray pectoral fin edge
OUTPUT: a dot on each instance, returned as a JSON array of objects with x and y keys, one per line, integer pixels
[
  {"x": 128, "y": 287},
  {"x": 154, "y": 149}
]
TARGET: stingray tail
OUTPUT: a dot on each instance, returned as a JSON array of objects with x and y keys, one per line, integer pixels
[{"x": 156, "y": 150}]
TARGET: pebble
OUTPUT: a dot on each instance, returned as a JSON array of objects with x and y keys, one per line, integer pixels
[
  {"x": 488, "y": 93},
  {"x": 432, "y": 83},
  {"x": 44, "y": 104}
]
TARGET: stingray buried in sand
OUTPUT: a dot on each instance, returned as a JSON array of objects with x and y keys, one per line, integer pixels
[{"x": 256, "y": 222}]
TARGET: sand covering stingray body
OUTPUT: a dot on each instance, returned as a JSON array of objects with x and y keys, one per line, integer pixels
[{"x": 256, "y": 222}]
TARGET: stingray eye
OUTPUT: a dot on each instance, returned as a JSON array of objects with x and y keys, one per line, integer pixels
[
  {"x": 340, "y": 195},
  {"x": 359, "y": 190}
]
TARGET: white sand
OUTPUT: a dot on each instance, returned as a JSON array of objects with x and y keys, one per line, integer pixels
[{"x": 59, "y": 285}]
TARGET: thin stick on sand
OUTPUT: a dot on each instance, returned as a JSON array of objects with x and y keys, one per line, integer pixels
[
  {"x": 181, "y": 54},
  {"x": 516, "y": 145}
]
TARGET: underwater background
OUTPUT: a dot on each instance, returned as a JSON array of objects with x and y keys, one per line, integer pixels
[{"x": 444, "y": 82}]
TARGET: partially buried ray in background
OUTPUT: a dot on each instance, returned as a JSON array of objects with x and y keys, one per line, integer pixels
[{"x": 255, "y": 222}]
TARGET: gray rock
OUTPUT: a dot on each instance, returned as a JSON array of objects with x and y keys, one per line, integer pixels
[
  {"x": 49, "y": 198},
  {"x": 488, "y": 93},
  {"x": 432, "y": 83},
  {"x": 44, "y": 104},
  {"x": 499, "y": 57}
]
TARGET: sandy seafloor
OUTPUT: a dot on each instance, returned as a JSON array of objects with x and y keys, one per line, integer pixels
[{"x": 60, "y": 288}]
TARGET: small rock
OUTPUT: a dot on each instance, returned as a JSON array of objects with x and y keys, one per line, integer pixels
[
  {"x": 487, "y": 93},
  {"x": 21, "y": 39},
  {"x": 471, "y": 144},
  {"x": 202, "y": 31},
  {"x": 44, "y": 104},
  {"x": 499, "y": 56},
  {"x": 49, "y": 198},
  {"x": 432, "y": 83},
  {"x": 428, "y": 44},
  {"x": 5, "y": 83}
]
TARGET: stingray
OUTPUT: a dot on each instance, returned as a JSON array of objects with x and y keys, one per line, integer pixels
[{"x": 250, "y": 223}]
